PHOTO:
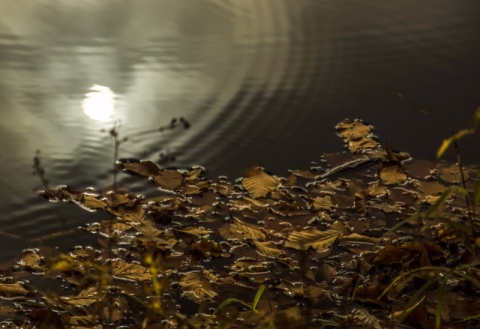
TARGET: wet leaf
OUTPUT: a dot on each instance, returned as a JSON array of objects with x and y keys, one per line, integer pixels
[
  {"x": 450, "y": 173},
  {"x": 93, "y": 202},
  {"x": 322, "y": 203},
  {"x": 241, "y": 230},
  {"x": 413, "y": 316},
  {"x": 114, "y": 310},
  {"x": 361, "y": 318},
  {"x": 129, "y": 271},
  {"x": 311, "y": 238},
  {"x": 389, "y": 254},
  {"x": 392, "y": 174},
  {"x": 84, "y": 297},
  {"x": 168, "y": 179},
  {"x": 10, "y": 290},
  {"x": 196, "y": 287},
  {"x": 208, "y": 248},
  {"x": 267, "y": 248},
  {"x": 258, "y": 183},
  {"x": 32, "y": 260},
  {"x": 143, "y": 168}
]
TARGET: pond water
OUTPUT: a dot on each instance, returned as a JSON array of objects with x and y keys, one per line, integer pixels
[{"x": 259, "y": 81}]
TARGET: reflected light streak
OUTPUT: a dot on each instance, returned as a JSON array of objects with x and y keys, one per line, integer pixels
[{"x": 99, "y": 103}]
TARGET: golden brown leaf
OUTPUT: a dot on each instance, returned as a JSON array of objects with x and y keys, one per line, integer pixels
[
  {"x": 311, "y": 237},
  {"x": 143, "y": 168},
  {"x": 267, "y": 248},
  {"x": 322, "y": 203},
  {"x": 241, "y": 230},
  {"x": 10, "y": 290},
  {"x": 196, "y": 287},
  {"x": 168, "y": 179},
  {"x": 92, "y": 202},
  {"x": 258, "y": 183},
  {"x": 128, "y": 271},
  {"x": 84, "y": 297},
  {"x": 392, "y": 174}
]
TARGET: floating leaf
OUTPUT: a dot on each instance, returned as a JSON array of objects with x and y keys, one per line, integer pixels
[
  {"x": 208, "y": 248},
  {"x": 143, "y": 168},
  {"x": 450, "y": 173},
  {"x": 241, "y": 230},
  {"x": 10, "y": 290},
  {"x": 84, "y": 297},
  {"x": 322, "y": 203},
  {"x": 258, "y": 183},
  {"x": 93, "y": 202},
  {"x": 267, "y": 248},
  {"x": 32, "y": 260},
  {"x": 168, "y": 179},
  {"x": 392, "y": 174},
  {"x": 311, "y": 237},
  {"x": 197, "y": 287},
  {"x": 128, "y": 271},
  {"x": 361, "y": 318}
]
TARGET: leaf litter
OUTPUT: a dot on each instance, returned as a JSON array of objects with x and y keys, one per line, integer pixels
[{"x": 340, "y": 245}]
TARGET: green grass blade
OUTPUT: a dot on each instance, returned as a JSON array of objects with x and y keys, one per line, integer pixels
[{"x": 258, "y": 295}]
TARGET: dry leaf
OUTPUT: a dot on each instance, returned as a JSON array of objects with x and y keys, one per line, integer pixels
[
  {"x": 258, "y": 183},
  {"x": 92, "y": 202},
  {"x": 322, "y": 203}
]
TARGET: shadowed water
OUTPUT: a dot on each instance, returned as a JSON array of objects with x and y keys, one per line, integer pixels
[{"x": 260, "y": 82}]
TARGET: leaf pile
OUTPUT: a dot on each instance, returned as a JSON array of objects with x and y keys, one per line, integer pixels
[{"x": 318, "y": 240}]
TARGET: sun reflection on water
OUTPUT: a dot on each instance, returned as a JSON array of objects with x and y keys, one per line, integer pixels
[{"x": 99, "y": 103}]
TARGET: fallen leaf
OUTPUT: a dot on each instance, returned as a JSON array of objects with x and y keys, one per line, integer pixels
[
  {"x": 143, "y": 168},
  {"x": 258, "y": 183},
  {"x": 10, "y": 290},
  {"x": 168, "y": 179},
  {"x": 196, "y": 287},
  {"x": 267, "y": 248},
  {"x": 392, "y": 174},
  {"x": 130, "y": 271},
  {"x": 311, "y": 237}
]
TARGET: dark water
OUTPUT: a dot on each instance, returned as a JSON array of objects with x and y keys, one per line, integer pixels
[{"x": 260, "y": 81}]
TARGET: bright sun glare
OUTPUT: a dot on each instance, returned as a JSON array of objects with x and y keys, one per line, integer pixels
[{"x": 99, "y": 103}]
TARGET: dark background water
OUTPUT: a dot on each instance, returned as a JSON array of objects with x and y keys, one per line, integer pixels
[{"x": 261, "y": 81}]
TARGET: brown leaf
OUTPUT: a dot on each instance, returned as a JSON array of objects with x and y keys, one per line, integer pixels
[
  {"x": 392, "y": 173},
  {"x": 241, "y": 230},
  {"x": 450, "y": 173},
  {"x": 168, "y": 179},
  {"x": 258, "y": 183},
  {"x": 92, "y": 202},
  {"x": 208, "y": 247},
  {"x": 143, "y": 168},
  {"x": 322, "y": 203},
  {"x": 128, "y": 271},
  {"x": 196, "y": 287},
  {"x": 311, "y": 237},
  {"x": 268, "y": 248},
  {"x": 389, "y": 254},
  {"x": 414, "y": 316},
  {"x": 32, "y": 260},
  {"x": 10, "y": 290},
  {"x": 84, "y": 297}
]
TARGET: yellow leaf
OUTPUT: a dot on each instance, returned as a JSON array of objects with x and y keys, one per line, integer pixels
[{"x": 258, "y": 183}]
